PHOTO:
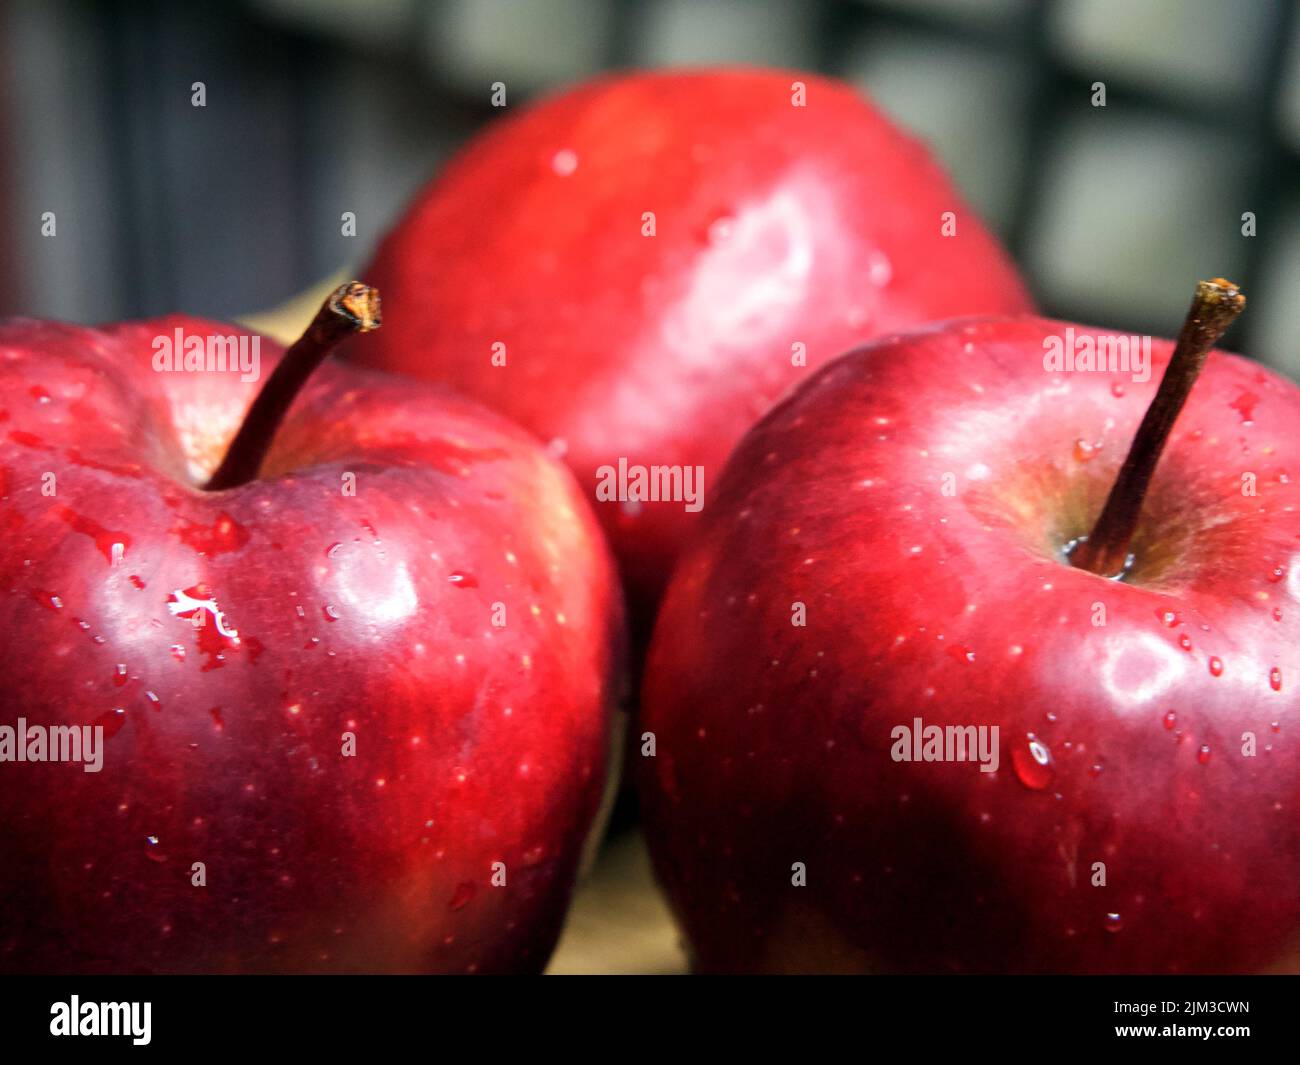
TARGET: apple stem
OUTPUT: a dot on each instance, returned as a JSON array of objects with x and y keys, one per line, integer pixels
[
  {"x": 351, "y": 308},
  {"x": 1105, "y": 550}
]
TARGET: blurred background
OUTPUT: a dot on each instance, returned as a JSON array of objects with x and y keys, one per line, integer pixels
[{"x": 317, "y": 107}]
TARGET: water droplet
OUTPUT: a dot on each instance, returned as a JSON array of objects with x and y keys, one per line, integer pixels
[
  {"x": 111, "y": 722},
  {"x": 1185, "y": 642},
  {"x": 1244, "y": 405},
  {"x": 48, "y": 600},
  {"x": 1114, "y": 922},
  {"x": 1275, "y": 679},
  {"x": 119, "y": 675},
  {"x": 880, "y": 271},
  {"x": 1169, "y": 618},
  {"x": 1117, "y": 390},
  {"x": 465, "y": 891},
  {"x": 112, "y": 545},
  {"x": 961, "y": 654},
  {"x": 1203, "y": 755},
  {"x": 1033, "y": 763},
  {"x": 178, "y": 652},
  {"x": 332, "y": 550},
  {"x": 564, "y": 162},
  {"x": 1276, "y": 574},
  {"x": 1084, "y": 451},
  {"x": 1170, "y": 719},
  {"x": 718, "y": 230},
  {"x": 1216, "y": 667},
  {"x": 463, "y": 580},
  {"x": 152, "y": 851},
  {"x": 1094, "y": 770},
  {"x": 331, "y": 612},
  {"x": 217, "y": 720}
]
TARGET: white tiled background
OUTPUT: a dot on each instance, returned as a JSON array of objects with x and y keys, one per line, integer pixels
[{"x": 320, "y": 106}]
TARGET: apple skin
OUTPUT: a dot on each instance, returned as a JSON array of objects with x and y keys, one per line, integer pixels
[
  {"x": 368, "y": 614},
  {"x": 773, "y": 742},
  {"x": 775, "y": 225}
]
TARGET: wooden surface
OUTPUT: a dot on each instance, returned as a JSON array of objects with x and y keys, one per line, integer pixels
[{"x": 619, "y": 923}]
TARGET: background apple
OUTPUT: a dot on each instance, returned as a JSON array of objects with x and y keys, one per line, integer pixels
[
  {"x": 653, "y": 254},
  {"x": 458, "y": 616},
  {"x": 917, "y": 498}
]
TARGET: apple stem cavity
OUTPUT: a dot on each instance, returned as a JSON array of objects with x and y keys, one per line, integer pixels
[
  {"x": 350, "y": 309},
  {"x": 1105, "y": 551}
]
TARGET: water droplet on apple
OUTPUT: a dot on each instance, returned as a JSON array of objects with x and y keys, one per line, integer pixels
[
  {"x": 1169, "y": 618},
  {"x": 1083, "y": 451},
  {"x": 1185, "y": 642},
  {"x": 463, "y": 580},
  {"x": 880, "y": 271},
  {"x": 1203, "y": 755},
  {"x": 1275, "y": 679},
  {"x": 1216, "y": 667},
  {"x": 119, "y": 675},
  {"x": 1033, "y": 763},
  {"x": 1117, "y": 390},
  {"x": 465, "y": 891},
  {"x": 111, "y": 722},
  {"x": 217, "y": 720},
  {"x": 333, "y": 549},
  {"x": 48, "y": 600},
  {"x": 178, "y": 652},
  {"x": 1114, "y": 922},
  {"x": 152, "y": 851},
  {"x": 719, "y": 229},
  {"x": 564, "y": 162},
  {"x": 1170, "y": 719},
  {"x": 331, "y": 612}
]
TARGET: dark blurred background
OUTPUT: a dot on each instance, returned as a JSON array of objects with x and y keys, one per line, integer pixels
[{"x": 316, "y": 107}]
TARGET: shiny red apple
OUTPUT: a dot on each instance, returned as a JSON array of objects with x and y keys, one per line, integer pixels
[
  {"x": 355, "y": 708},
  {"x": 910, "y": 537},
  {"x": 639, "y": 267}
]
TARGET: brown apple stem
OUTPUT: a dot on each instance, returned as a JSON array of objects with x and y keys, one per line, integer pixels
[
  {"x": 351, "y": 308},
  {"x": 1105, "y": 550}
]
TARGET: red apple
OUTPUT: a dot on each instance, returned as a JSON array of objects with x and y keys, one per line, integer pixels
[
  {"x": 391, "y": 690},
  {"x": 916, "y": 501},
  {"x": 654, "y": 256}
]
